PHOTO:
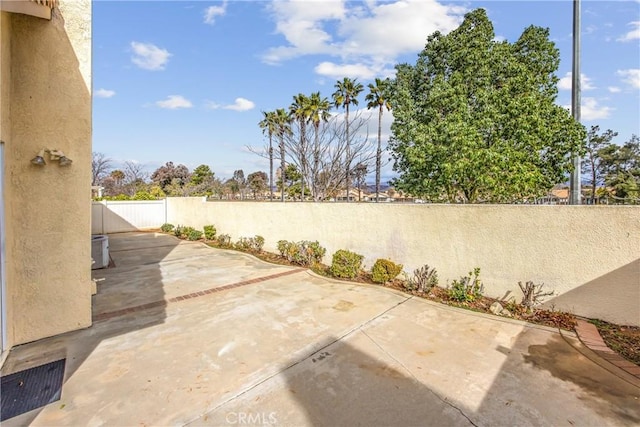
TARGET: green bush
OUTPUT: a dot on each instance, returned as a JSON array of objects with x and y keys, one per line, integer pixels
[
  {"x": 166, "y": 227},
  {"x": 346, "y": 264},
  {"x": 468, "y": 288},
  {"x": 194, "y": 235},
  {"x": 186, "y": 232},
  {"x": 305, "y": 253},
  {"x": 209, "y": 232},
  {"x": 178, "y": 231},
  {"x": 250, "y": 244},
  {"x": 384, "y": 270}
]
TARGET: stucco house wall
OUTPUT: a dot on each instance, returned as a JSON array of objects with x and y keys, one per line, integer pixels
[{"x": 45, "y": 84}]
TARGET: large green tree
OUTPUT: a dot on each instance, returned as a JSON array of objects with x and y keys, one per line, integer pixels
[
  {"x": 318, "y": 113},
  {"x": 300, "y": 111},
  {"x": 346, "y": 93},
  {"x": 476, "y": 120},
  {"x": 378, "y": 98}
]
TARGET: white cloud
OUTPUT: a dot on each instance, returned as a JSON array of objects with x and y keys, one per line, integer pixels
[
  {"x": 633, "y": 34},
  {"x": 336, "y": 71},
  {"x": 362, "y": 34},
  {"x": 174, "y": 102},
  {"x": 211, "y": 12},
  {"x": 591, "y": 110},
  {"x": 630, "y": 77},
  {"x": 104, "y": 93},
  {"x": 565, "y": 82},
  {"x": 149, "y": 56},
  {"x": 240, "y": 104},
  {"x": 614, "y": 89}
]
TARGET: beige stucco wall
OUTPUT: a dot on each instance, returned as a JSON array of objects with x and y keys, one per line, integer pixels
[
  {"x": 589, "y": 255},
  {"x": 46, "y": 100}
]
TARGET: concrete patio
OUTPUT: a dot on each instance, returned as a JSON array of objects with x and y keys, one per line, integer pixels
[{"x": 185, "y": 334}]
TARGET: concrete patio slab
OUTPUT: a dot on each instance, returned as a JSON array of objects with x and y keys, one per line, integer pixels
[{"x": 280, "y": 346}]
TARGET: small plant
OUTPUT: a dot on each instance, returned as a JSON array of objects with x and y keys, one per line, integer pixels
[
  {"x": 423, "y": 280},
  {"x": 223, "y": 240},
  {"x": 305, "y": 253},
  {"x": 250, "y": 244},
  {"x": 166, "y": 227},
  {"x": 209, "y": 232},
  {"x": 178, "y": 231},
  {"x": 257, "y": 243},
  {"x": 346, "y": 264},
  {"x": 384, "y": 270},
  {"x": 194, "y": 235},
  {"x": 468, "y": 288},
  {"x": 186, "y": 232},
  {"x": 532, "y": 294}
]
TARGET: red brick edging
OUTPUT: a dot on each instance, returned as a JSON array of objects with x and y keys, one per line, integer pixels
[
  {"x": 589, "y": 335},
  {"x": 162, "y": 303}
]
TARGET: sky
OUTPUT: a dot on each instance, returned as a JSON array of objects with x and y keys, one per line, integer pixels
[{"x": 187, "y": 81}]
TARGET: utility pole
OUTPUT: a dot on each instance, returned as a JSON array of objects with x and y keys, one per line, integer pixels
[{"x": 574, "y": 185}]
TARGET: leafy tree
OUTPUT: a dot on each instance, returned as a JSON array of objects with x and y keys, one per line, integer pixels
[
  {"x": 239, "y": 183},
  {"x": 592, "y": 162},
  {"x": 257, "y": 182},
  {"x": 346, "y": 93},
  {"x": 378, "y": 98},
  {"x": 201, "y": 174},
  {"x": 171, "y": 175},
  {"x": 269, "y": 125},
  {"x": 622, "y": 169},
  {"x": 475, "y": 119}
]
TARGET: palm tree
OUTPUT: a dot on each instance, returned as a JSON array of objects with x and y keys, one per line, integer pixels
[
  {"x": 269, "y": 126},
  {"x": 377, "y": 98},
  {"x": 299, "y": 110},
  {"x": 318, "y": 112},
  {"x": 346, "y": 93},
  {"x": 283, "y": 128}
]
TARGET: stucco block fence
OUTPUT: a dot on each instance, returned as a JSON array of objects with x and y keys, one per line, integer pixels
[{"x": 588, "y": 255}]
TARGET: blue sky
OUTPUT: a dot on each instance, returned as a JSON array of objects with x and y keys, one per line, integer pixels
[{"x": 186, "y": 81}]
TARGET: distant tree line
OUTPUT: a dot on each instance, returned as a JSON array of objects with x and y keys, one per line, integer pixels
[{"x": 170, "y": 180}]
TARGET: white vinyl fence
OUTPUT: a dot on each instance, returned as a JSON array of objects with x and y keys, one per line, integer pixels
[{"x": 117, "y": 217}]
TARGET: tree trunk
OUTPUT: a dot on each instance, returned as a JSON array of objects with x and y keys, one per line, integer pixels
[
  {"x": 271, "y": 167},
  {"x": 282, "y": 177},
  {"x": 348, "y": 154},
  {"x": 379, "y": 154}
]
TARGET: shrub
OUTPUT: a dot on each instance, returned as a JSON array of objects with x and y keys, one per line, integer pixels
[
  {"x": 194, "y": 235},
  {"x": 186, "y": 232},
  {"x": 346, "y": 264},
  {"x": 305, "y": 253},
  {"x": 384, "y": 270},
  {"x": 224, "y": 240},
  {"x": 532, "y": 294},
  {"x": 423, "y": 280},
  {"x": 250, "y": 244},
  {"x": 468, "y": 288},
  {"x": 209, "y": 232},
  {"x": 178, "y": 231},
  {"x": 166, "y": 227}
]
